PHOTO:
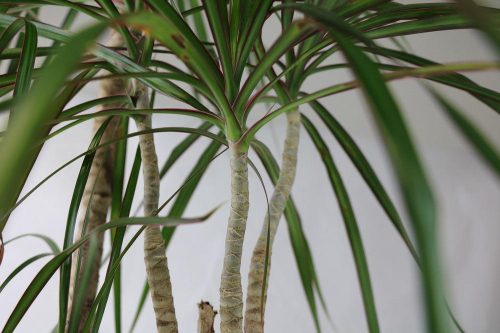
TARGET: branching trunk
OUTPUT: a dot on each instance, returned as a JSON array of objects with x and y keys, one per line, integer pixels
[
  {"x": 255, "y": 304},
  {"x": 231, "y": 294},
  {"x": 206, "y": 316},
  {"x": 97, "y": 196},
  {"x": 154, "y": 247}
]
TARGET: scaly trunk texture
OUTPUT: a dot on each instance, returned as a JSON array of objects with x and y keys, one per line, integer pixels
[
  {"x": 97, "y": 196},
  {"x": 206, "y": 316},
  {"x": 254, "y": 317},
  {"x": 154, "y": 247},
  {"x": 231, "y": 294}
]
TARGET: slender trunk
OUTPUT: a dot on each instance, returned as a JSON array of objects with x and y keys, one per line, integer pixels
[
  {"x": 231, "y": 294},
  {"x": 97, "y": 197},
  {"x": 206, "y": 316},
  {"x": 255, "y": 304},
  {"x": 154, "y": 247}
]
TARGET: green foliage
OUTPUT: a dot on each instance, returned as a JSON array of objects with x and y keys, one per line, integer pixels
[{"x": 215, "y": 79}]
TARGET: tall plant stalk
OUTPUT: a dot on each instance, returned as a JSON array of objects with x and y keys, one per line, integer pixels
[
  {"x": 97, "y": 196},
  {"x": 155, "y": 258},
  {"x": 231, "y": 294},
  {"x": 256, "y": 290}
]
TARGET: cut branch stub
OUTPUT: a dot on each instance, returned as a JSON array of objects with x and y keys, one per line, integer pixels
[{"x": 206, "y": 317}]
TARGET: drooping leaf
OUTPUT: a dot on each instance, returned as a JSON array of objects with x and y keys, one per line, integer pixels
[
  {"x": 411, "y": 177},
  {"x": 22, "y": 266},
  {"x": 47, "y": 240},
  {"x": 366, "y": 171},
  {"x": 482, "y": 145},
  {"x": 486, "y": 21},
  {"x": 350, "y": 225},
  {"x": 51, "y": 267},
  {"x": 487, "y": 96},
  {"x": 69, "y": 234},
  {"x": 32, "y": 114}
]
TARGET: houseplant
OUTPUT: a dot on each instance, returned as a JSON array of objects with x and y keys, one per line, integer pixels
[{"x": 228, "y": 70}]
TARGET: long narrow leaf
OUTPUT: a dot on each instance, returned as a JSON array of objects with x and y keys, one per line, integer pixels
[
  {"x": 22, "y": 266},
  {"x": 76, "y": 199},
  {"x": 411, "y": 177},
  {"x": 350, "y": 225},
  {"x": 33, "y": 113},
  {"x": 482, "y": 145},
  {"x": 27, "y": 60},
  {"x": 366, "y": 171},
  {"x": 51, "y": 267}
]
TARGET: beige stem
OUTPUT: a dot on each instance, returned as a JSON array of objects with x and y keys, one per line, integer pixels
[
  {"x": 97, "y": 196},
  {"x": 255, "y": 305},
  {"x": 231, "y": 294},
  {"x": 206, "y": 316},
  {"x": 154, "y": 247}
]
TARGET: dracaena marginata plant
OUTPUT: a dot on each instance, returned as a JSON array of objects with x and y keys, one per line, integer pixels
[{"x": 219, "y": 68}]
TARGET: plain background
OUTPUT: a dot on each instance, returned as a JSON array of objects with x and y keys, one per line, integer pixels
[{"x": 467, "y": 192}]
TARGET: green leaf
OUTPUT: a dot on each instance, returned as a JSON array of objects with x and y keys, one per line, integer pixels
[
  {"x": 219, "y": 24},
  {"x": 92, "y": 103},
  {"x": 69, "y": 233},
  {"x": 207, "y": 116},
  {"x": 199, "y": 23},
  {"x": 97, "y": 311},
  {"x": 350, "y": 225},
  {"x": 366, "y": 171},
  {"x": 157, "y": 130},
  {"x": 485, "y": 95},
  {"x": 486, "y": 21},
  {"x": 26, "y": 61},
  {"x": 253, "y": 16},
  {"x": 181, "y": 148},
  {"x": 10, "y": 32},
  {"x": 426, "y": 72},
  {"x": 482, "y": 145},
  {"x": 22, "y": 266},
  {"x": 49, "y": 241},
  {"x": 123, "y": 63},
  {"x": 91, "y": 11},
  {"x": 192, "y": 181},
  {"x": 329, "y": 18},
  {"x": 413, "y": 183},
  {"x": 116, "y": 205},
  {"x": 283, "y": 44},
  {"x": 111, "y": 10},
  {"x": 235, "y": 19},
  {"x": 32, "y": 114},
  {"x": 171, "y": 30},
  {"x": 41, "y": 279},
  {"x": 440, "y": 23}
]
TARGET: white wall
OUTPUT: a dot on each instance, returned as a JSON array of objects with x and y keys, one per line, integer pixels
[{"x": 468, "y": 194}]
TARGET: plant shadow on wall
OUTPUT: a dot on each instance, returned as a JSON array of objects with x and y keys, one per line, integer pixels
[{"x": 210, "y": 57}]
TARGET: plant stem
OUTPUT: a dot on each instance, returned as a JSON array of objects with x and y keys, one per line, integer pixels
[
  {"x": 206, "y": 317},
  {"x": 256, "y": 291},
  {"x": 97, "y": 197},
  {"x": 231, "y": 293},
  {"x": 154, "y": 247}
]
